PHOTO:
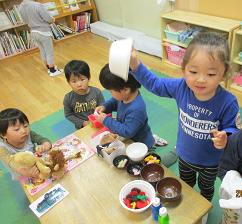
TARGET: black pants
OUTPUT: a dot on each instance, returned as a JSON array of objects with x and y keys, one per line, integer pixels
[{"x": 206, "y": 177}]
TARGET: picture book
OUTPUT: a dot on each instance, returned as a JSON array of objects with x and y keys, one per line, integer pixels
[
  {"x": 74, "y": 6},
  {"x": 65, "y": 8},
  {"x": 70, "y": 145},
  {"x": 48, "y": 200},
  {"x": 50, "y": 6}
]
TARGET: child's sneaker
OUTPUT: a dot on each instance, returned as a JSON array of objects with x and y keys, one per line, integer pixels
[
  {"x": 49, "y": 69},
  {"x": 159, "y": 141},
  {"x": 57, "y": 72}
]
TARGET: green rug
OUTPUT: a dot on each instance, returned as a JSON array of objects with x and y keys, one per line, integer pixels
[{"x": 163, "y": 119}]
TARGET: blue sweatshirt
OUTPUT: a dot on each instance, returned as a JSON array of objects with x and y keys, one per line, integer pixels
[
  {"x": 132, "y": 120},
  {"x": 196, "y": 118},
  {"x": 231, "y": 158}
]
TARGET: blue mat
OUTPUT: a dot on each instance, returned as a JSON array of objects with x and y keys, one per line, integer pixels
[{"x": 163, "y": 119}]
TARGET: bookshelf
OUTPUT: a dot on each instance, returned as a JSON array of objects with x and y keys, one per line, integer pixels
[
  {"x": 65, "y": 18},
  {"x": 208, "y": 22},
  {"x": 235, "y": 59}
]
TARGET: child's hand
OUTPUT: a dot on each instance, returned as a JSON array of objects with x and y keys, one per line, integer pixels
[
  {"x": 85, "y": 123},
  {"x": 134, "y": 62},
  {"x": 40, "y": 149},
  {"x": 220, "y": 139},
  {"x": 100, "y": 117},
  {"x": 99, "y": 109},
  {"x": 33, "y": 172},
  {"x": 53, "y": 20}
]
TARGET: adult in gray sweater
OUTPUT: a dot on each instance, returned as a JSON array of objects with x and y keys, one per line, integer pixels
[{"x": 39, "y": 20}]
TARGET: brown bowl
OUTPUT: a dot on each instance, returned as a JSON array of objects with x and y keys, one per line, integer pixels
[
  {"x": 134, "y": 165},
  {"x": 152, "y": 173},
  {"x": 152, "y": 154},
  {"x": 169, "y": 188},
  {"x": 118, "y": 159}
]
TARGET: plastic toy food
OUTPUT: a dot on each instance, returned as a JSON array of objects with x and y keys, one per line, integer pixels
[
  {"x": 136, "y": 199},
  {"x": 151, "y": 159}
]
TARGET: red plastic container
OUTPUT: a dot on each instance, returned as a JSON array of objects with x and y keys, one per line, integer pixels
[{"x": 94, "y": 122}]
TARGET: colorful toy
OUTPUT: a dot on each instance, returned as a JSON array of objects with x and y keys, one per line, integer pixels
[
  {"x": 94, "y": 122},
  {"x": 151, "y": 159},
  {"x": 136, "y": 199}
]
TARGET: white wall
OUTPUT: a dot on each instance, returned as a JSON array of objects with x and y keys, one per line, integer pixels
[{"x": 140, "y": 15}]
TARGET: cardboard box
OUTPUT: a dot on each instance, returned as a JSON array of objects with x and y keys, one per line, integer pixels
[{"x": 109, "y": 157}]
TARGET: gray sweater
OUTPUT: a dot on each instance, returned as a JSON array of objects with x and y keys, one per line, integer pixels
[
  {"x": 36, "y": 16},
  {"x": 77, "y": 107}
]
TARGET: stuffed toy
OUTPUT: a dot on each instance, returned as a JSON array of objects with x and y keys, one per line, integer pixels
[
  {"x": 27, "y": 159},
  {"x": 56, "y": 162}
]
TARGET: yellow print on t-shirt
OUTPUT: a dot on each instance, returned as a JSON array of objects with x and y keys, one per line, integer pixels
[{"x": 80, "y": 107}]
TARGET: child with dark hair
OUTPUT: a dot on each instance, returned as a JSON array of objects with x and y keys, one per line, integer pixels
[
  {"x": 83, "y": 99},
  {"x": 17, "y": 137},
  {"x": 132, "y": 119},
  {"x": 207, "y": 112}
]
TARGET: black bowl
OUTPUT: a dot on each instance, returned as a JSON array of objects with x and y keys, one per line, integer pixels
[
  {"x": 134, "y": 165},
  {"x": 153, "y": 154},
  {"x": 118, "y": 159}
]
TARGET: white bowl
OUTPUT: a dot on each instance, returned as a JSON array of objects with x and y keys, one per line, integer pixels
[
  {"x": 137, "y": 151},
  {"x": 143, "y": 186},
  {"x": 119, "y": 57}
]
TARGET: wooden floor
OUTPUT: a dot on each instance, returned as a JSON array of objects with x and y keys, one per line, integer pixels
[{"x": 26, "y": 85}]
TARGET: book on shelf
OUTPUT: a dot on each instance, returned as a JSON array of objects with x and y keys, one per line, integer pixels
[
  {"x": 57, "y": 32},
  {"x": 74, "y": 6},
  {"x": 11, "y": 44},
  {"x": 82, "y": 21},
  {"x": 10, "y": 16},
  {"x": 17, "y": 14},
  {"x": 2, "y": 53},
  {"x": 65, "y": 8},
  {"x": 26, "y": 39},
  {"x": 5, "y": 22},
  {"x": 51, "y": 8},
  {"x": 66, "y": 28}
]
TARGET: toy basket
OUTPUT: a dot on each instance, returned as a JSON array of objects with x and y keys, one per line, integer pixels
[
  {"x": 240, "y": 56},
  {"x": 172, "y": 36},
  {"x": 175, "y": 57},
  {"x": 187, "y": 40},
  {"x": 238, "y": 79}
]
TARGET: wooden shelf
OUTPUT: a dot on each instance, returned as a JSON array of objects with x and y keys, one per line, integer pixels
[
  {"x": 64, "y": 18},
  {"x": 235, "y": 50},
  {"x": 200, "y": 20}
]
